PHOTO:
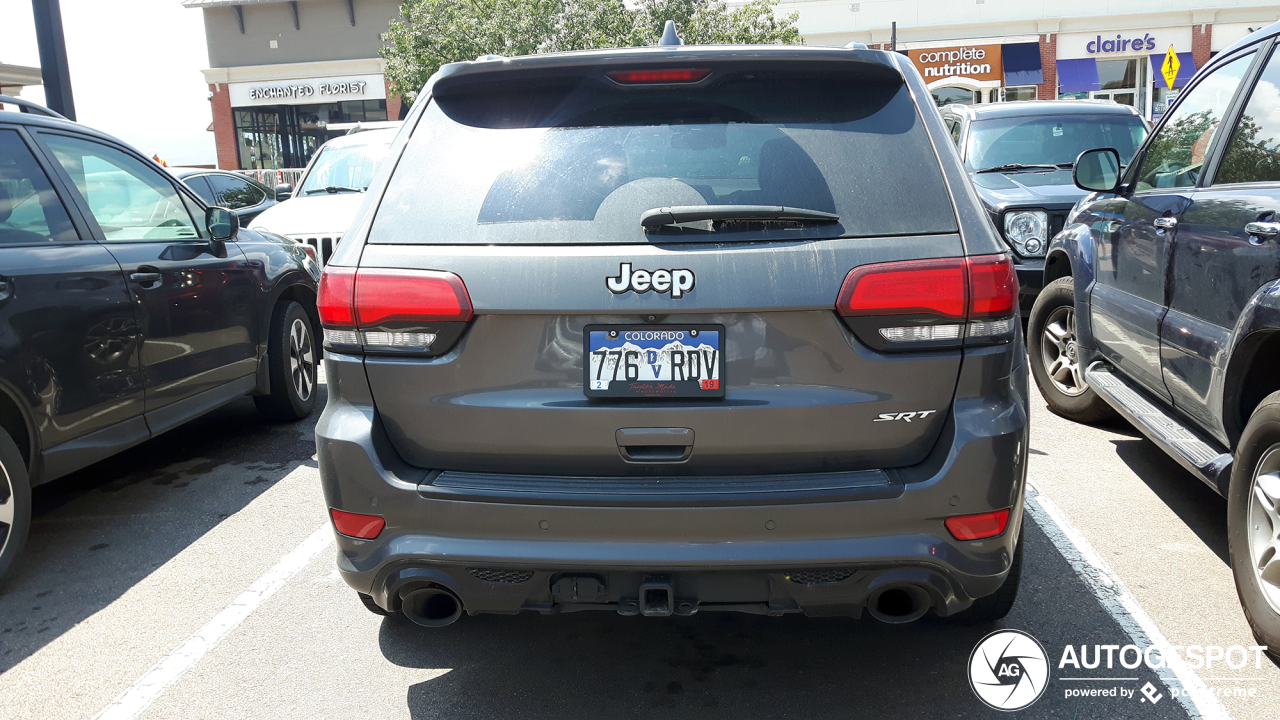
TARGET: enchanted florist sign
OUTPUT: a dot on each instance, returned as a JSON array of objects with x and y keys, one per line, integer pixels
[{"x": 307, "y": 91}]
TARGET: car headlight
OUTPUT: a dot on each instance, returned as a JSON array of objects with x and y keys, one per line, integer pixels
[{"x": 1028, "y": 230}]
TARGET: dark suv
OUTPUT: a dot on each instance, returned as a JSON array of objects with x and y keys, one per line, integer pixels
[
  {"x": 1162, "y": 302},
  {"x": 1019, "y": 156},
  {"x": 127, "y": 307},
  {"x": 675, "y": 329}
]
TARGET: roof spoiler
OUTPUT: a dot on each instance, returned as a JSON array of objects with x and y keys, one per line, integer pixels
[{"x": 27, "y": 106}]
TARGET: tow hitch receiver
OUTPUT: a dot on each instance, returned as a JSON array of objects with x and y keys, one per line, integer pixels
[{"x": 656, "y": 598}]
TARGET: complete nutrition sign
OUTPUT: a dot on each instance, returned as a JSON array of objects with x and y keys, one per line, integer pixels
[{"x": 976, "y": 62}]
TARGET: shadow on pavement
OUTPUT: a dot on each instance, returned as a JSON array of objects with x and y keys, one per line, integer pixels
[
  {"x": 1202, "y": 510},
  {"x": 99, "y": 531},
  {"x": 740, "y": 666}
]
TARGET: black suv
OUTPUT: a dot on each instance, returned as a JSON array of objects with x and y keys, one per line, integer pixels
[
  {"x": 127, "y": 307},
  {"x": 1162, "y": 302},
  {"x": 1019, "y": 156}
]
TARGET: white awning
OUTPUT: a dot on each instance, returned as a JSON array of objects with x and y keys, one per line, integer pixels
[{"x": 225, "y": 3}]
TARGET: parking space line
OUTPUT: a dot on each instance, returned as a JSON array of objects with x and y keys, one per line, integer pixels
[
  {"x": 1122, "y": 606},
  {"x": 132, "y": 702}
]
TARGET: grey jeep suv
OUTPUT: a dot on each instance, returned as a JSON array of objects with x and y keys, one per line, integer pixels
[{"x": 675, "y": 329}]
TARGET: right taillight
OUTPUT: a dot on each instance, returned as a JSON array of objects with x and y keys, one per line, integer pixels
[
  {"x": 392, "y": 310},
  {"x": 920, "y": 304}
]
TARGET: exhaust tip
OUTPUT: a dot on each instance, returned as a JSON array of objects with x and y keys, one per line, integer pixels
[
  {"x": 899, "y": 604},
  {"x": 432, "y": 607}
]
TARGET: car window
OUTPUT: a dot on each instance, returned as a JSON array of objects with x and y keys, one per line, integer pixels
[
  {"x": 234, "y": 193},
  {"x": 1177, "y": 152},
  {"x": 1050, "y": 139},
  {"x": 130, "y": 200},
  {"x": 30, "y": 211},
  {"x": 344, "y": 168},
  {"x": 954, "y": 126},
  {"x": 200, "y": 186},
  {"x": 1254, "y": 152},
  {"x": 579, "y": 162}
]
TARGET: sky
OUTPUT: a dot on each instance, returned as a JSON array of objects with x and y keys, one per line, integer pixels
[{"x": 135, "y": 71}]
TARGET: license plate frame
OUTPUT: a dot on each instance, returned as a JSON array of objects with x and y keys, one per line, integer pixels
[{"x": 656, "y": 387}]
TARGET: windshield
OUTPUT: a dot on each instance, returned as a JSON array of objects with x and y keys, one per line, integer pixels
[
  {"x": 343, "y": 168},
  {"x": 583, "y": 163},
  {"x": 1050, "y": 140}
]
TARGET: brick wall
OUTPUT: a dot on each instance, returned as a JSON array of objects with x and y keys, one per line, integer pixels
[
  {"x": 1201, "y": 36},
  {"x": 224, "y": 131},
  {"x": 1048, "y": 90},
  {"x": 393, "y": 103}
]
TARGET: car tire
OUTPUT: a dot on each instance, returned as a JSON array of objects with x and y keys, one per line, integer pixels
[
  {"x": 1253, "y": 522},
  {"x": 291, "y": 358},
  {"x": 15, "y": 504},
  {"x": 998, "y": 604},
  {"x": 1055, "y": 359},
  {"x": 373, "y": 606}
]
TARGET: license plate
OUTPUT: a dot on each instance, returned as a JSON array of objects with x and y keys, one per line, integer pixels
[{"x": 653, "y": 361}]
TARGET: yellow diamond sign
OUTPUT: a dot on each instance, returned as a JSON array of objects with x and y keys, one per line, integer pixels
[{"x": 1170, "y": 67}]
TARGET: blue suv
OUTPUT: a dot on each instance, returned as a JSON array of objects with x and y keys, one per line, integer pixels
[{"x": 1162, "y": 301}]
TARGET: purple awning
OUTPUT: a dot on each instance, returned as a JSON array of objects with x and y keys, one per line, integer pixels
[{"x": 1080, "y": 75}]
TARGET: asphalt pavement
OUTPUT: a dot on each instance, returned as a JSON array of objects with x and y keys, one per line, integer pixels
[{"x": 193, "y": 577}]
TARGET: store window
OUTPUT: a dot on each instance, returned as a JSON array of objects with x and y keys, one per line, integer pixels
[
  {"x": 956, "y": 95},
  {"x": 1025, "y": 92},
  {"x": 1121, "y": 81},
  {"x": 286, "y": 136}
]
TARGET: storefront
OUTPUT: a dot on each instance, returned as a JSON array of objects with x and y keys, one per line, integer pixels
[
  {"x": 980, "y": 73},
  {"x": 1124, "y": 67},
  {"x": 281, "y": 124}
]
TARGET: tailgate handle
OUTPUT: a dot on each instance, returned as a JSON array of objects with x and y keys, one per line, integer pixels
[{"x": 655, "y": 444}]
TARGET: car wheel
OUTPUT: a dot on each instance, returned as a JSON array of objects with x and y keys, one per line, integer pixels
[
  {"x": 1253, "y": 522},
  {"x": 998, "y": 604},
  {"x": 373, "y": 606},
  {"x": 1055, "y": 356},
  {"x": 291, "y": 355},
  {"x": 15, "y": 503}
]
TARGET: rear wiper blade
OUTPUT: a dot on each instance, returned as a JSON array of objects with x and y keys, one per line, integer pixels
[
  {"x": 658, "y": 217},
  {"x": 1011, "y": 167},
  {"x": 335, "y": 189}
]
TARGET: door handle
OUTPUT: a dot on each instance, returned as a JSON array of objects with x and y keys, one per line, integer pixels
[
  {"x": 1165, "y": 223},
  {"x": 145, "y": 278},
  {"x": 1262, "y": 230}
]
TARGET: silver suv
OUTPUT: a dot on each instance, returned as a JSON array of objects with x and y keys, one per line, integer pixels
[{"x": 672, "y": 330}]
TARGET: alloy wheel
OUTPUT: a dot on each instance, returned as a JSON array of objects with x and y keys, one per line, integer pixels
[
  {"x": 1061, "y": 355},
  {"x": 6, "y": 509},
  {"x": 1264, "y": 526},
  {"x": 302, "y": 363}
]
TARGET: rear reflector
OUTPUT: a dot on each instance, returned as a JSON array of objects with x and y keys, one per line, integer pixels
[
  {"x": 979, "y": 526},
  {"x": 371, "y": 297},
  {"x": 663, "y": 75},
  {"x": 982, "y": 286},
  {"x": 365, "y": 527}
]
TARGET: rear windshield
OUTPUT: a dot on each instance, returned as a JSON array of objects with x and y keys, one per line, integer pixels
[
  {"x": 1051, "y": 140},
  {"x": 579, "y": 160}
]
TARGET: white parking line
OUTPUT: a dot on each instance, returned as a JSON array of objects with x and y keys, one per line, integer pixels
[
  {"x": 136, "y": 699},
  {"x": 1122, "y": 606}
]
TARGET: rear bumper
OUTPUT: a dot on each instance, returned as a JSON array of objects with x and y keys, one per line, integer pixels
[{"x": 743, "y": 551}]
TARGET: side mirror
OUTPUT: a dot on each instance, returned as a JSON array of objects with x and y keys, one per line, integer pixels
[
  {"x": 284, "y": 191},
  {"x": 222, "y": 223},
  {"x": 1097, "y": 170}
]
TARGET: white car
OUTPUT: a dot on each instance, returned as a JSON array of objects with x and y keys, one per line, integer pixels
[{"x": 329, "y": 192}]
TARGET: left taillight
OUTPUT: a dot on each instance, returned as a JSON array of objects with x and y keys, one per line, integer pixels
[
  {"x": 938, "y": 303},
  {"x": 392, "y": 310}
]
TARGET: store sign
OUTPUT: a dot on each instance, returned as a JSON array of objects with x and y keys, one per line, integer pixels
[
  {"x": 307, "y": 91},
  {"x": 1122, "y": 43},
  {"x": 975, "y": 62}
]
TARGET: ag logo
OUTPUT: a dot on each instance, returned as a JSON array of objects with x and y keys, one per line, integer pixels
[{"x": 1008, "y": 670}]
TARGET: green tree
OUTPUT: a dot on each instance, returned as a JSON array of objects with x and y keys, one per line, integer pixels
[{"x": 430, "y": 33}]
